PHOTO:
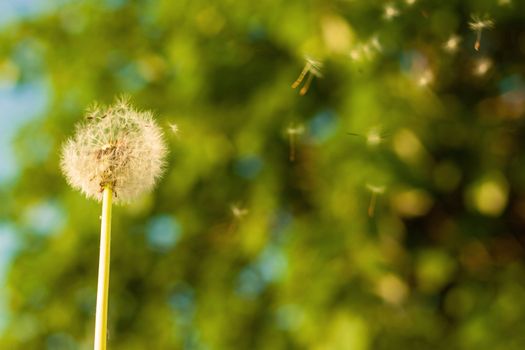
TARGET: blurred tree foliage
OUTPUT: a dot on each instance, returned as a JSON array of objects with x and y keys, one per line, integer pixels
[{"x": 241, "y": 248}]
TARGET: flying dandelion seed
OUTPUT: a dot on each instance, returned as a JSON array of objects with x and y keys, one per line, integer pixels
[
  {"x": 425, "y": 78},
  {"x": 452, "y": 44},
  {"x": 360, "y": 53},
  {"x": 373, "y": 137},
  {"x": 376, "y": 44},
  {"x": 293, "y": 132},
  {"x": 478, "y": 25},
  {"x": 482, "y": 66},
  {"x": 118, "y": 147},
  {"x": 311, "y": 69},
  {"x": 365, "y": 50},
  {"x": 375, "y": 191},
  {"x": 355, "y": 54},
  {"x": 390, "y": 11},
  {"x": 238, "y": 211},
  {"x": 174, "y": 129}
]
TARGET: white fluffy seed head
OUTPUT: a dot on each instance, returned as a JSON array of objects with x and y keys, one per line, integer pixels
[{"x": 115, "y": 146}]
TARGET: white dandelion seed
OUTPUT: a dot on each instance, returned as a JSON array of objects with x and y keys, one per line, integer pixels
[
  {"x": 482, "y": 66},
  {"x": 355, "y": 54},
  {"x": 452, "y": 43},
  {"x": 174, "y": 129},
  {"x": 365, "y": 50},
  {"x": 375, "y": 191},
  {"x": 293, "y": 132},
  {"x": 312, "y": 68},
  {"x": 390, "y": 11},
  {"x": 426, "y": 77},
  {"x": 373, "y": 137},
  {"x": 477, "y": 25},
  {"x": 376, "y": 44},
  {"x": 117, "y": 147},
  {"x": 238, "y": 211}
]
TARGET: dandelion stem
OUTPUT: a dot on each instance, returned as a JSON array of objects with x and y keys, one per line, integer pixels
[{"x": 103, "y": 272}]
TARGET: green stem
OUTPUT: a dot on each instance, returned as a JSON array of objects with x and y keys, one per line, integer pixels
[{"x": 103, "y": 272}]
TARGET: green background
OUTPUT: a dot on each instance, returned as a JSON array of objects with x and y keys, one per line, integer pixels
[{"x": 439, "y": 264}]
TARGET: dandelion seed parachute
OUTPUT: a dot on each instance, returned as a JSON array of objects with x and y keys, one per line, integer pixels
[
  {"x": 477, "y": 24},
  {"x": 116, "y": 146}
]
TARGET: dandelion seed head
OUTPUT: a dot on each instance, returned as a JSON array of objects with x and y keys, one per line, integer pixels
[{"x": 114, "y": 146}]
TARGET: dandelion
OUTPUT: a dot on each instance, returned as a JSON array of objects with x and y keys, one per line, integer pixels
[
  {"x": 452, "y": 43},
  {"x": 477, "y": 25},
  {"x": 375, "y": 191},
  {"x": 292, "y": 132},
  {"x": 116, "y": 152},
  {"x": 482, "y": 66},
  {"x": 390, "y": 11},
  {"x": 312, "y": 68}
]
